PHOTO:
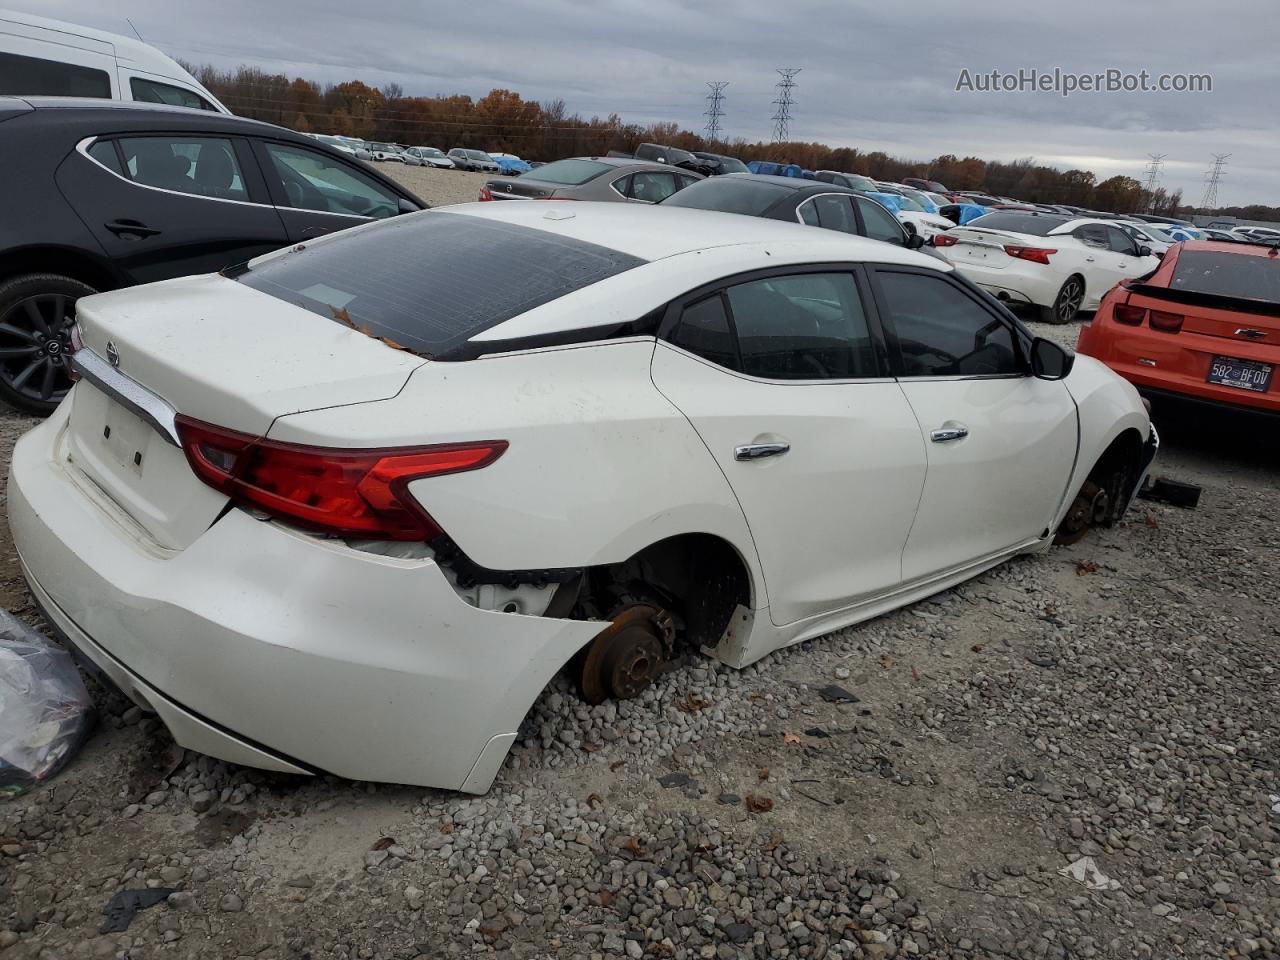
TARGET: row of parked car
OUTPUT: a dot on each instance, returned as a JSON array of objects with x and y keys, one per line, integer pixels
[{"x": 459, "y": 158}]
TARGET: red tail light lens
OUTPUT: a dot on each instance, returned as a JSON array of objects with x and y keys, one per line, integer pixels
[
  {"x": 942, "y": 240},
  {"x": 1165, "y": 322},
  {"x": 1132, "y": 316},
  {"x": 1034, "y": 254},
  {"x": 344, "y": 492},
  {"x": 486, "y": 193}
]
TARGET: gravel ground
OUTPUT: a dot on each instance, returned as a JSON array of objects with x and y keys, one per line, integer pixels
[
  {"x": 1114, "y": 700},
  {"x": 438, "y": 187}
]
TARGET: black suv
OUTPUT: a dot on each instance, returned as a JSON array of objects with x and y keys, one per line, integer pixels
[{"x": 98, "y": 195}]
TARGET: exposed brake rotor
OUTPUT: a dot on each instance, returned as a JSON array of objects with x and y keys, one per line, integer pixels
[
  {"x": 1091, "y": 506},
  {"x": 628, "y": 654}
]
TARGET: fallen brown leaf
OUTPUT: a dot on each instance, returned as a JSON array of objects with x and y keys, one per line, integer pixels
[
  {"x": 340, "y": 314},
  {"x": 593, "y": 799},
  {"x": 617, "y": 765},
  {"x": 886, "y": 661},
  {"x": 1151, "y": 521},
  {"x": 634, "y": 845},
  {"x": 789, "y": 737},
  {"x": 1084, "y": 567},
  {"x": 383, "y": 842},
  {"x": 589, "y": 747},
  {"x": 446, "y": 827},
  {"x": 774, "y": 842},
  {"x": 763, "y": 774},
  {"x": 607, "y": 898},
  {"x": 691, "y": 704},
  {"x": 976, "y": 648},
  {"x": 757, "y": 804}
]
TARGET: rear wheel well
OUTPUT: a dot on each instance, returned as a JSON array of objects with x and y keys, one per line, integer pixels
[
  {"x": 699, "y": 577},
  {"x": 63, "y": 261}
]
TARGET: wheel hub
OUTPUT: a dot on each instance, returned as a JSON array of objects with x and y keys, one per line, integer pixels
[{"x": 627, "y": 655}]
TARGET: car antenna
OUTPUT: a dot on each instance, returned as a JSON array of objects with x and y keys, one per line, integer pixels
[{"x": 134, "y": 29}]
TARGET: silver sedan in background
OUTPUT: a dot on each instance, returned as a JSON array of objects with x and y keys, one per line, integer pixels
[{"x": 621, "y": 179}]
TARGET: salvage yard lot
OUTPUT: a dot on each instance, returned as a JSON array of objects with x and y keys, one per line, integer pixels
[{"x": 1116, "y": 699}]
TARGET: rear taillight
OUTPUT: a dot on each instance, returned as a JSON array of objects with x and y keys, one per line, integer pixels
[
  {"x": 1131, "y": 316},
  {"x": 1034, "y": 254},
  {"x": 942, "y": 240},
  {"x": 486, "y": 193},
  {"x": 344, "y": 492},
  {"x": 1165, "y": 322}
]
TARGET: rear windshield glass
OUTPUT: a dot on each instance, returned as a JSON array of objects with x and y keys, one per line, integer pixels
[
  {"x": 428, "y": 282},
  {"x": 729, "y": 196},
  {"x": 1245, "y": 276},
  {"x": 1019, "y": 223},
  {"x": 570, "y": 172}
]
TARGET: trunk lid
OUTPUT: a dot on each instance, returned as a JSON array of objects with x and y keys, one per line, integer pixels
[
  {"x": 215, "y": 350},
  {"x": 986, "y": 247},
  {"x": 520, "y": 188}
]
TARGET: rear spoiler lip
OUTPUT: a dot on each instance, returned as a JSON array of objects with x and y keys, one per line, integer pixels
[{"x": 1192, "y": 298}]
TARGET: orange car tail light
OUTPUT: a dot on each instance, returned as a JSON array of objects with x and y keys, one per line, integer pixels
[
  {"x": 1165, "y": 322},
  {"x": 1131, "y": 316}
]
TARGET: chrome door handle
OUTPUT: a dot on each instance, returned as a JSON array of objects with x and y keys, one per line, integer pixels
[
  {"x": 947, "y": 434},
  {"x": 758, "y": 451},
  {"x": 1088, "y": 259}
]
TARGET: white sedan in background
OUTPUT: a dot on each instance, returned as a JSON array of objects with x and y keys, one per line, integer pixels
[
  {"x": 1056, "y": 263},
  {"x": 365, "y": 545},
  {"x": 431, "y": 157}
]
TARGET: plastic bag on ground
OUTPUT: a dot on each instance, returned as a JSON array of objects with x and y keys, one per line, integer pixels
[{"x": 45, "y": 710}]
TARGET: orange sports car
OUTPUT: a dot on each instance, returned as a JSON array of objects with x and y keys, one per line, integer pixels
[{"x": 1205, "y": 326}]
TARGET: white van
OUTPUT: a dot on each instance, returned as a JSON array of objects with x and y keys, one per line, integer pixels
[{"x": 43, "y": 57}]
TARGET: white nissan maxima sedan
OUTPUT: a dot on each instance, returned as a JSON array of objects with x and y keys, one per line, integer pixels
[
  {"x": 1058, "y": 264},
  {"x": 350, "y": 506}
]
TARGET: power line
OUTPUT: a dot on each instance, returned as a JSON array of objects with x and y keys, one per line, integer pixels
[
  {"x": 1212, "y": 178},
  {"x": 716, "y": 109},
  {"x": 1153, "y": 176},
  {"x": 784, "y": 102}
]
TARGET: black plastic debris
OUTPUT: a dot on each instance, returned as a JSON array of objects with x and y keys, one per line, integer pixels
[
  {"x": 678, "y": 779},
  {"x": 817, "y": 732},
  {"x": 1173, "y": 492},
  {"x": 729, "y": 799},
  {"x": 835, "y": 694},
  {"x": 125, "y": 904}
]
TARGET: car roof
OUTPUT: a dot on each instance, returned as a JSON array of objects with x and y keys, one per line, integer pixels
[
  {"x": 137, "y": 52},
  {"x": 655, "y": 232},
  {"x": 98, "y": 108}
]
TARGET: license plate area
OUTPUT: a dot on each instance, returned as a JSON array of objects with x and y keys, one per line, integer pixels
[{"x": 1251, "y": 375}]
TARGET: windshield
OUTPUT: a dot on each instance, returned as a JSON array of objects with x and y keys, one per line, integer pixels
[
  {"x": 911, "y": 203},
  {"x": 732, "y": 165},
  {"x": 569, "y": 173},
  {"x": 430, "y": 152},
  {"x": 427, "y": 284},
  {"x": 729, "y": 195},
  {"x": 1155, "y": 233}
]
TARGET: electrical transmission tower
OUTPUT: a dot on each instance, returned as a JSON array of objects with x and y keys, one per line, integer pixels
[
  {"x": 1211, "y": 180},
  {"x": 715, "y": 111},
  {"x": 1153, "y": 176},
  {"x": 785, "y": 102}
]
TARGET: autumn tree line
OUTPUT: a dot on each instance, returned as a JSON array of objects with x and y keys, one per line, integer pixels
[{"x": 503, "y": 121}]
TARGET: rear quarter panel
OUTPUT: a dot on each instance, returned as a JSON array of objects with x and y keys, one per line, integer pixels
[{"x": 600, "y": 464}]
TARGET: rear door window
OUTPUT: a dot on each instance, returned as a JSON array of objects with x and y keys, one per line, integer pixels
[
  {"x": 807, "y": 326},
  {"x": 428, "y": 282},
  {"x": 36, "y": 77},
  {"x": 652, "y": 187},
  {"x": 201, "y": 166},
  {"x": 704, "y": 331},
  {"x": 835, "y": 212}
]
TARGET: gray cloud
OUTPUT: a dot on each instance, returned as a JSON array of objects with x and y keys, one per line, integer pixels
[{"x": 875, "y": 76}]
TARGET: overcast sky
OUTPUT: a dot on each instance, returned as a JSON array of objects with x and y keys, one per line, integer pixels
[{"x": 876, "y": 76}]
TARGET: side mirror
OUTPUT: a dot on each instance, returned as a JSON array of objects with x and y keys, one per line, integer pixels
[
  {"x": 914, "y": 241},
  {"x": 1050, "y": 361},
  {"x": 406, "y": 206},
  {"x": 1144, "y": 250}
]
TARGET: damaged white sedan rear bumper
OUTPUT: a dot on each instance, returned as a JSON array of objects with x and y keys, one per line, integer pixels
[{"x": 268, "y": 647}]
